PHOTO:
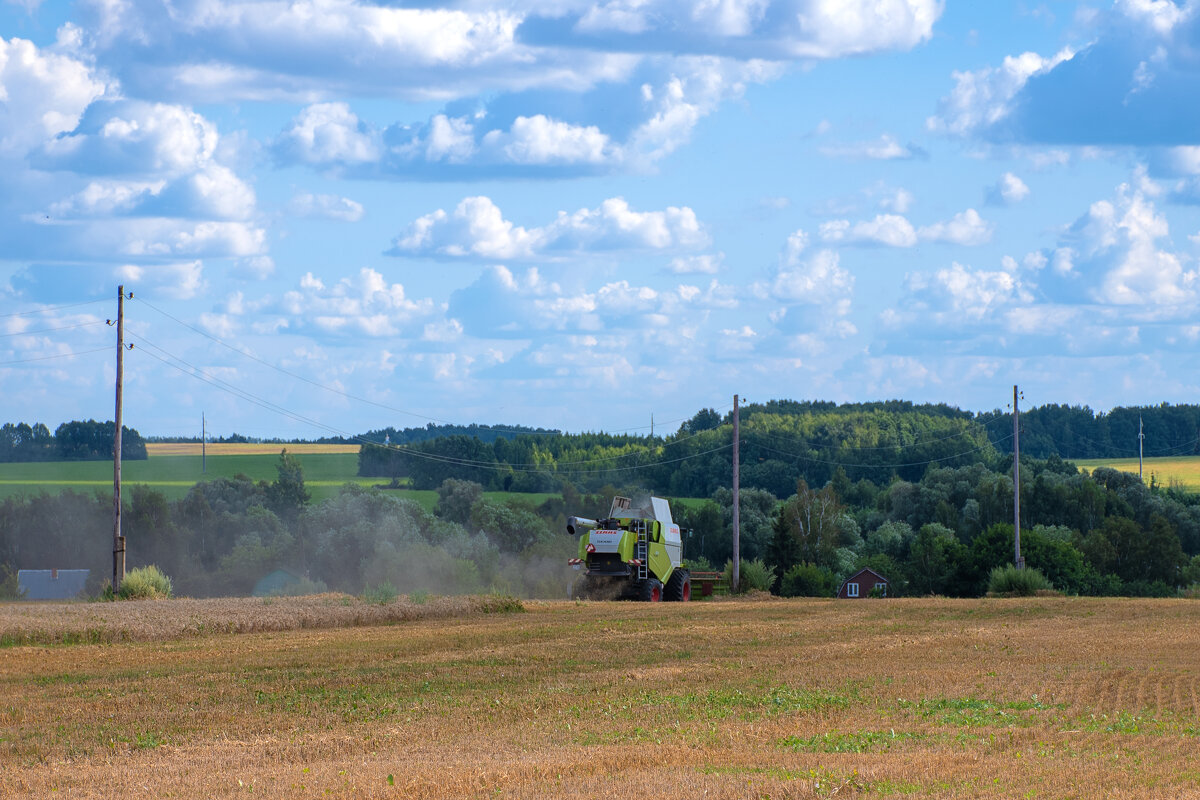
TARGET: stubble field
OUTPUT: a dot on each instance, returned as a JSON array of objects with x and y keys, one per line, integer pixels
[{"x": 1047, "y": 697}]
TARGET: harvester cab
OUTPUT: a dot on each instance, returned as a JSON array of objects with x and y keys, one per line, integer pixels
[{"x": 633, "y": 553}]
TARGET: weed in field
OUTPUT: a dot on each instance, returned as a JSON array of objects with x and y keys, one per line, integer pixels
[
  {"x": 736, "y": 704},
  {"x": 1145, "y": 723},
  {"x": 969, "y": 711},
  {"x": 862, "y": 742},
  {"x": 147, "y": 740},
  {"x": 497, "y": 603}
]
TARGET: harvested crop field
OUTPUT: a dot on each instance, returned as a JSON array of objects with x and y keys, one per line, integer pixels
[
  {"x": 1045, "y": 697},
  {"x": 157, "y": 620}
]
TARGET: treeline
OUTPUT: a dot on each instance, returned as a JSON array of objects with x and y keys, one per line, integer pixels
[
  {"x": 780, "y": 444},
  {"x": 1078, "y": 432},
  {"x": 237, "y": 438},
  {"x": 71, "y": 441},
  {"x": 484, "y": 433}
]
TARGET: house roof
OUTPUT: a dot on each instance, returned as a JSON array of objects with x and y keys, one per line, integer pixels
[
  {"x": 275, "y": 581},
  {"x": 860, "y": 572},
  {"x": 51, "y": 584}
]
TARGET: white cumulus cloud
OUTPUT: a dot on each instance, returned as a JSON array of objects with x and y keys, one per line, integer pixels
[
  {"x": 983, "y": 98},
  {"x": 329, "y": 133},
  {"x": 477, "y": 229},
  {"x": 326, "y": 206},
  {"x": 894, "y": 230},
  {"x": 1008, "y": 190},
  {"x": 362, "y": 304},
  {"x": 965, "y": 228},
  {"x": 42, "y": 94},
  {"x": 886, "y": 148}
]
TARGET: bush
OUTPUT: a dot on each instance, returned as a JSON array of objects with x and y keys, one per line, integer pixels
[
  {"x": 145, "y": 583},
  {"x": 9, "y": 587},
  {"x": 300, "y": 588},
  {"x": 380, "y": 595},
  {"x": 755, "y": 576},
  {"x": 1008, "y": 581},
  {"x": 808, "y": 580}
]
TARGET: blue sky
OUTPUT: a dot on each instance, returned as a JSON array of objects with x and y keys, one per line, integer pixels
[{"x": 338, "y": 215}]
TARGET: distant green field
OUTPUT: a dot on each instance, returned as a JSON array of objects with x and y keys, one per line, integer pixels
[
  {"x": 324, "y": 475},
  {"x": 1184, "y": 469}
]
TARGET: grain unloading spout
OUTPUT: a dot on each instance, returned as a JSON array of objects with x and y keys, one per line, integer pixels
[{"x": 576, "y": 524}]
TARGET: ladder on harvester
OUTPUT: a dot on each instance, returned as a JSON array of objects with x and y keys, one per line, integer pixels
[{"x": 643, "y": 550}]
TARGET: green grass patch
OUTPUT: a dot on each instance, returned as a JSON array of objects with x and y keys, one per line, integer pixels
[
  {"x": 737, "y": 704},
  {"x": 973, "y": 711},
  {"x": 860, "y": 742},
  {"x": 324, "y": 476},
  {"x": 1140, "y": 724},
  {"x": 324, "y": 473}
]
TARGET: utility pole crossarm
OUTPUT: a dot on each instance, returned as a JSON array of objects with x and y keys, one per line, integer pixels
[{"x": 1141, "y": 439}]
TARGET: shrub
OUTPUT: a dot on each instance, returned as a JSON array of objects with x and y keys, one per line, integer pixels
[
  {"x": 1008, "y": 581},
  {"x": 379, "y": 595},
  {"x": 808, "y": 580},
  {"x": 755, "y": 576},
  {"x": 299, "y": 588},
  {"x": 418, "y": 597},
  {"x": 145, "y": 583},
  {"x": 498, "y": 603},
  {"x": 9, "y": 587}
]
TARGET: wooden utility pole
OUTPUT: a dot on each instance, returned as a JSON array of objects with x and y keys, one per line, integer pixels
[
  {"x": 737, "y": 527},
  {"x": 118, "y": 540},
  {"x": 1020, "y": 562},
  {"x": 203, "y": 444},
  {"x": 1141, "y": 438}
]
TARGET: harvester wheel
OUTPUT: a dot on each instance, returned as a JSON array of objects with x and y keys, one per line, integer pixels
[
  {"x": 679, "y": 586},
  {"x": 652, "y": 590}
]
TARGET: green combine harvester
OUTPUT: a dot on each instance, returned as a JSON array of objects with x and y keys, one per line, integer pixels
[{"x": 633, "y": 554}]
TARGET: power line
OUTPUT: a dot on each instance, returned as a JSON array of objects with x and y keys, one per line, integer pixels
[
  {"x": 52, "y": 308},
  {"x": 218, "y": 383},
  {"x": 51, "y": 330},
  {"x": 385, "y": 406},
  {"x": 47, "y": 358}
]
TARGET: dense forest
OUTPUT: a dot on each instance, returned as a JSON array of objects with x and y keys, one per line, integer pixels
[{"x": 1078, "y": 432}]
